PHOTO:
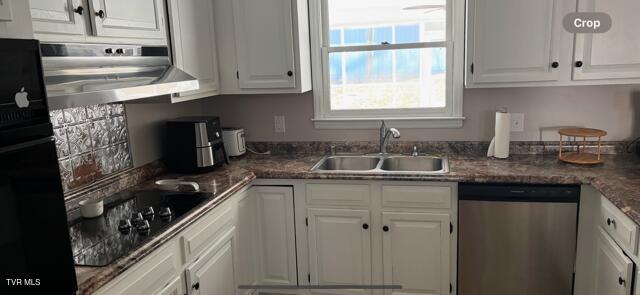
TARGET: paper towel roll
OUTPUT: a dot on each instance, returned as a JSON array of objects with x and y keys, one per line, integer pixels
[{"x": 499, "y": 146}]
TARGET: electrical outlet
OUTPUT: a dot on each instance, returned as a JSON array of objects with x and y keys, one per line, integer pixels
[
  {"x": 279, "y": 123},
  {"x": 517, "y": 122}
]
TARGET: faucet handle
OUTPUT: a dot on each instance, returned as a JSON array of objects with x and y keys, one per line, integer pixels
[{"x": 415, "y": 151}]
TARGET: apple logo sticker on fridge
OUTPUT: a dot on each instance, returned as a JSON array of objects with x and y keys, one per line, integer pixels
[{"x": 21, "y": 98}]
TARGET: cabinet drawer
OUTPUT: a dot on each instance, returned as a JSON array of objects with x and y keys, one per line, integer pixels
[
  {"x": 622, "y": 229},
  {"x": 413, "y": 196},
  {"x": 150, "y": 276},
  {"x": 338, "y": 194},
  {"x": 205, "y": 232}
]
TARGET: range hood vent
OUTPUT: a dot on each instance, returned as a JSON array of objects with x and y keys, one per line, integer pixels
[{"x": 88, "y": 74}]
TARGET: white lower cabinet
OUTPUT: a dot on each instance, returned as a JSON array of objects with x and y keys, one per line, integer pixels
[
  {"x": 275, "y": 236},
  {"x": 175, "y": 287},
  {"x": 213, "y": 273},
  {"x": 339, "y": 246},
  {"x": 155, "y": 274},
  {"x": 415, "y": 252},
  {"x": 400, "y": 233},
  {"x": 613, "y": 270}
]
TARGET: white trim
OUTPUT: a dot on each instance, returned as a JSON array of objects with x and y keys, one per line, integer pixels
[
  {"x": 387, "y": 46},
  {"x": 449, "y": 117},
  {"x": 421, "y": 122}
]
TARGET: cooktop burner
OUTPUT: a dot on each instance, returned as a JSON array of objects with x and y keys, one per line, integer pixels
[{"x": 128, "y": 221}]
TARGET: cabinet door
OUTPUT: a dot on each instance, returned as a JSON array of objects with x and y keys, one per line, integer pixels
[
  {"x": 276, "y": 235},
  {"x": 194, "y": 45},
  {"x": 213, "y": 273},
  {"x": 614, "y": 54},
  {"x": 339, "y": 246},
  {"x": 613, "y": 269},
  {"x": 174, "y": 287},
  {"x": 142, "y": 19},
  {"x": 248, "y": 250},
  {"x": 59, "y": 16},
  {"x": 264, "y": 43},
  {"x": 416, "y": 252},
  {"x": 514, "y": 40}
]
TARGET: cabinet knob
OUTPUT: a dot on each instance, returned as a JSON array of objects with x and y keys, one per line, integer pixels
[
  {"x": 196, "y": 286},
  {"x": 290, "y": 73},
  {"x": 79, "y": 10},
  {"x": 120, "y": 51},
  {"x": 611, "y": 221},
  {"x": 100, "y": 13},
  {"x": 365, "y": 226},
  {"x": 621, "y": 281},
  {"x": 555, "y": 64},
  {"x": 578, "y": 64},
  {"x": 108, "y": 51},
  {"x": 385, "y": 228}
]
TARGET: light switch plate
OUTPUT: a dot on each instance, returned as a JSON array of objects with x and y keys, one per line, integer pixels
[
  {"x": 5, "y": 10},
  {"x": 280, "y": 126},
  {"x": 517, "y": 122}
]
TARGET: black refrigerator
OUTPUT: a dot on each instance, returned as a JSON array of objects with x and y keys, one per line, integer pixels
[{"x": 35, "y": 248}]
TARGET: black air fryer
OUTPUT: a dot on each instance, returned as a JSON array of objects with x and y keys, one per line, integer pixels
[{"x": 194, "y": 144}]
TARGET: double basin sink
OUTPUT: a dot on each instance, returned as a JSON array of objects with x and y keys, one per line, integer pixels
[{"x": 383, "y": 164}]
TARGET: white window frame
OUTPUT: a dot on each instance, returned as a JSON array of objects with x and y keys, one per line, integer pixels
[{"x": 447, "y": 117}]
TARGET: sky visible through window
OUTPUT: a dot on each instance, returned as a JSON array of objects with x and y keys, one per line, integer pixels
[{"x": 387, "y": 79}]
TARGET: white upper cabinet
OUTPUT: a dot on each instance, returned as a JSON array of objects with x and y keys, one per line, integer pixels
[
  {"x": 263, "y": 46},
  {"x": 100, "y": 21},
  {"x": 194, "y": 45},
  {"x": 514, "y": 40},
  {"x": 522, "y": 43},
  {"x": 264, "y": 42},
  {"x": 415, "y": 249},
  {"x": 67, "y": 17},
  {"x": 143, "y": 19},
  {"x": 614, "y": 54}
]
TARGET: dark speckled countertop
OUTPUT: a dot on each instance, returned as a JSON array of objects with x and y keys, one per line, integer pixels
[{"x": 618, "y": 179}]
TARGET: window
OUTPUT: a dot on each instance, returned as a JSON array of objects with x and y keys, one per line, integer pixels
[{"x": 387, "y": 59}]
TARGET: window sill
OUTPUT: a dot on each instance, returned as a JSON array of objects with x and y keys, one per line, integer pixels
[{"x": 359, "y": 123}]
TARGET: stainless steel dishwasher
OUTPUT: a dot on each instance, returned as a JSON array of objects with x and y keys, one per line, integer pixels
[{"x": 517, "y": 239}]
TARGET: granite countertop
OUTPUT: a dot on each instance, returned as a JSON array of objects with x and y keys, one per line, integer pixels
[{"x": 618, "y": 179}]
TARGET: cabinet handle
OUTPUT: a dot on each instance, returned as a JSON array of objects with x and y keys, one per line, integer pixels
[
  {"x": 555, "y": 64},
  {"x": 290, "y": 73},
  {"x": 79, "y": 10},
  {"x": 100, "y": 13},
  {"x": 578, "y": 64},
  {"x": 611, "y": 221},
  {"x": 196, "y": 286},
  {"x": 385, "y": 228},
  {"x": 621, "y": 281},
  {"x": 365, "y": 226}
]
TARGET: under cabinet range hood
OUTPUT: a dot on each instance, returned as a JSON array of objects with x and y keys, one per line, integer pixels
[{"x": 88, "y": 74}]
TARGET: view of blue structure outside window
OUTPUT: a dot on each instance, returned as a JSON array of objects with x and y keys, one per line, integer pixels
[{"x": 384, "y": 71}]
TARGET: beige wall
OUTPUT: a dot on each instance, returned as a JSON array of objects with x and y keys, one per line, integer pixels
[
  {"x": 607, "y": 107},
  {"x": 146, "y": 127}
]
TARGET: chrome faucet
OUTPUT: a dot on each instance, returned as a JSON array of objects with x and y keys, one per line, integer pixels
[{"x": 384, "y": 133}]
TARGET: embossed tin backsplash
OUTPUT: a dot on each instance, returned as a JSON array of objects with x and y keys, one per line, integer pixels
[{"x": 92, "y": 142}]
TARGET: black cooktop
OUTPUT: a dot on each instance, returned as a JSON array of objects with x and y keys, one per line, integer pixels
[{"x": 129, "y": 220}]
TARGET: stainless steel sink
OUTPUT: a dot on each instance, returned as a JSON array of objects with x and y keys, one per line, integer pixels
[
  {"x": 347, "y": 163},
  {"x": 382, "y": 164},
  {"x": 417, "y": 163}
]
